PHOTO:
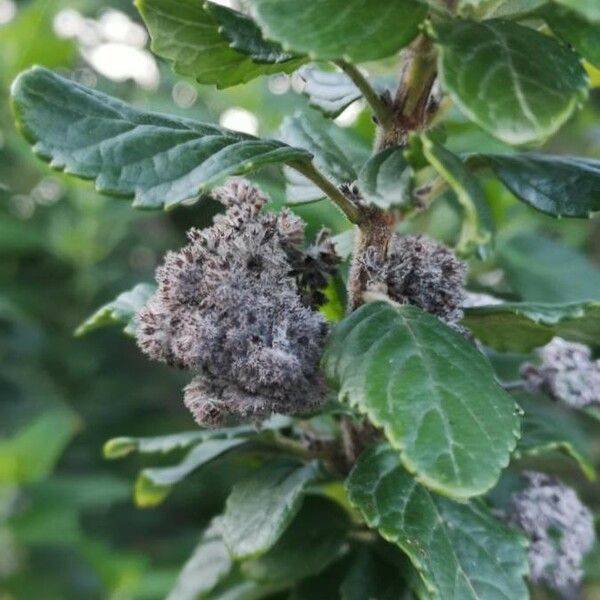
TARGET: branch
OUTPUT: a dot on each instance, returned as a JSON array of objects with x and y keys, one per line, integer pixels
[
  {"x": 344, "y": 203},
  {"x": 381, "y": 108}
]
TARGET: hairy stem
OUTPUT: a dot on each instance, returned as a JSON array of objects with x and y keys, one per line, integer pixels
[
  {"x": 381, "y": 108},
  {"x": 347, "y": 206}
]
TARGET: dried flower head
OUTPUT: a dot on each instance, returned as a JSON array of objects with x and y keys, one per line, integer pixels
[
  {"x": 560, "y": 529},
  {"x": 567, "y": 373},
  {"x": 228, "y": 306},
  {"x": 422, "y": 272}
]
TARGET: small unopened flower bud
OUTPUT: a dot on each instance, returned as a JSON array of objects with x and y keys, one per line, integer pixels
[
  {"x": 560, "y": 530},
  {"x": 567, "y": 373}
]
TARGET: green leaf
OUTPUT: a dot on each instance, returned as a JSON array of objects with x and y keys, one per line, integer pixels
[
  {"x": 370, "y": 577},
  {"x": 460, "y": 550},
  {"x": 207, "y": 566},
  {"x": 154, "y": 485},
  {"x": 354, "y": 30},
  {"x": 385, "y": 179},
  {"x": 330, "y": 92},
  {"x": 561, "y": 186},
  {"x": 590, "y": 9},
  {"x": 477, "y": 232},
  {"x": 194, "y": 38},
  {"x": 547, "y": 426},
  {"x": 160, "y": 160},
  {"x": 121, "y": 311},
  {"x": 518, "y": 84},
  {"x": 245, "y": 36},
  {"x": 431, "y": 391},
  {"x": 542, "y": 270},
  {"x": 523, "y": 326},
  {"x": 236, "y": 586},
  {"x": 163, "y": 444},
  {"x": 575, "y": 30},
  {"x": 312, "y": 542},
  {"x": 260, "y": 508},
  {"x": 496, "y": 9}
]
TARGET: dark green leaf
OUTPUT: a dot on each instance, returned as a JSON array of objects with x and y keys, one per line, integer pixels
[
  {"x": 154, "y": 485},
  {"x": 188, "y": 35},
  {"x": 355, "y": 30},
  {"x": 385, "y": 180},
  {"x": 564, "y": 186},
  {"x": 121, "y": 311},
  {"x": 523, "y": 326},
  {"x": 590, "y": 9},
  {"x": 370, "y": 577},
  {"x": 542, "y": 270},
  {"x": 575, "y": 30},
  {"x": 431, "y": 391},
  {"x": 547, "y": 426},
  {"x": 460, "y": 550},
  {"x": 312, "y": 542},
  {"x": 260, "y": 508},
  {"x": 517, "y": 83},
  {"x": 477, "y": 230},
  {"x": 160, "y": 160}
]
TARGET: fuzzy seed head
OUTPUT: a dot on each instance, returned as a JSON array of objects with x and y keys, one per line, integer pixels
[
  {"x": 560, "y": 529},
  {"x": 567, "y": 373}
]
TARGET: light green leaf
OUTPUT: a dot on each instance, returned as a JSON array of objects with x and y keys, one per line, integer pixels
[
  {"x": 547, "y": 426},
  {"x": 310, "y": 544},
  {"x": 563, "y": 186},
  {"x": 153, "y": 485},
  {"x": 261, "y": 507},
  {"x": 354, "y": 30},
  {"x": 195, "y": 40},
  {"x": 460, "y": 550},
  {"x": 160, "y": 160},
  {"x": 385, "y": 179},
  {"x": 496, "y": 9},
  {"x": 523, "y": 326},
  {"x": 121, "y": 311},
  {"x": 299, "y": 189},
  {"x": 207, "y": 566},
  {"x": 330, "y": 92},
  {"x": 590, "y": 9},
  {"x": 542, "y": 270},
  {"x": 477, "y": 232},
  {"x": 236, "y": 586},
  {"x": 431, "y": 391},
  {"x": 576, "y": 30},
  {"x": 517, "y": 83}
]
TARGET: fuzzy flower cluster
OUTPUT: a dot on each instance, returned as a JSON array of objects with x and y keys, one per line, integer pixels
[
  {"x": 233, "y": 306},
  {"x": 420, "y": 271},
  {"x": 560, "y": 529},
  {"x": 567, "y": 373}
]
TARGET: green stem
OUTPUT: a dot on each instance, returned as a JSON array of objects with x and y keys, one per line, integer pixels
[
  {"x": 381, "y": 109},
  {"x": 344, "y": 203}
]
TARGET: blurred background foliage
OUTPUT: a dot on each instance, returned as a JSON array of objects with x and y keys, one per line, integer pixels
[{"x": 68, "y": 525}]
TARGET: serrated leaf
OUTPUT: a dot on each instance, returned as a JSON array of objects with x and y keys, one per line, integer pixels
[
  {"x": 209, "y": 564},
  {"x": 310, "y": 544},
  {"x": 153, "y": 485},
  {"x": 477, "y": 230},
  {"x": 385, "y": 179},
  {"x": 354, "y": 30},
  {"x": 517, "y": 83},
  {"x": 590, "y": 9},
  {"x": 260, "y": 508},
  {"x": 121, "y": 311},
  {"x": 245, "y": 36},
  {"x": 460, "y": 550},
  {"x": 187, "y": 34},
  {"x": 431, "y": 391},
  {"x": 330, "y": 92},
  {"x": 547, "y": 426},
  {"x": 523, "y": 326},
  {"x": 562, "y": 186},
  {"x": 576, "y": 30},
  {"x": 160, "y": 160},
  {"x": 543, "y": 270},
  {"x": 163, "y": 444}
]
